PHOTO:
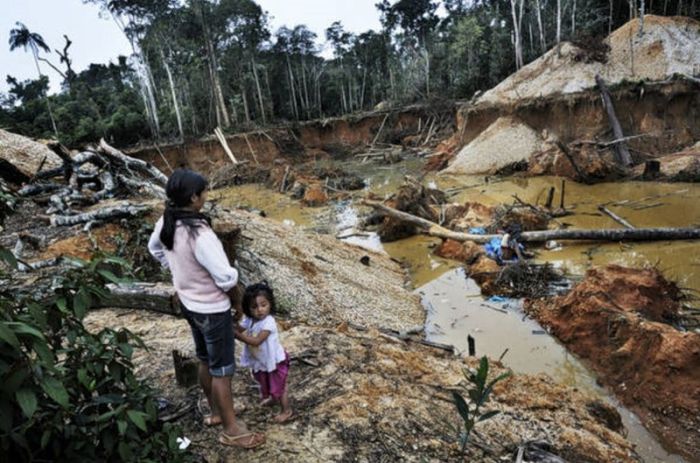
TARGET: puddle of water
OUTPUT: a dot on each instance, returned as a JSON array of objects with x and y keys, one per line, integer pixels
[
  {"x": 644, "y": 204},
  {"x": 455, "y": 309},
  {"x": 276, "y": 205}
]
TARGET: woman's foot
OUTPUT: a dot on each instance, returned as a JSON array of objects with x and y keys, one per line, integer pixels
[
  {"x": 247, "y": 440},
  {"x": 285, "y": 417}
]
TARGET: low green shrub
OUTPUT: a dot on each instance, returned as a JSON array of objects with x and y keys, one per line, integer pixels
[
  {"x": 67, "y": 394},
  {"x": 478, "y": 392}
]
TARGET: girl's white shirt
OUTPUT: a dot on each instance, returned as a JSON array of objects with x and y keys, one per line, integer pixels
[{"x": 269, "y": 353}]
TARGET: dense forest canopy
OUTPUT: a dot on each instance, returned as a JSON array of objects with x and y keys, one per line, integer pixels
[{"x": 199, "y": 64}]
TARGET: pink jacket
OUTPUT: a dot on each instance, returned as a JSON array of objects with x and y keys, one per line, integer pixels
[{"x": 199, "y": 266}]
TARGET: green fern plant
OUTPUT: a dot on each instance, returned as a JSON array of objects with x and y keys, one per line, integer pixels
[{"x": 478, "y": 392}]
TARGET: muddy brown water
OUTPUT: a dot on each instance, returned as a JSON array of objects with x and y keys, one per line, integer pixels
[{"x": 454, "y": 306}]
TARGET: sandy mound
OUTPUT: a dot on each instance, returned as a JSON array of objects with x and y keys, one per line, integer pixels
[
  {"x": 503, "y": 143},
  {"x": 320, "y": 279},
  {"x": 361, "y": 396},
  {"x": 613, "y": 319},
  {"x": 668, "y": 46},
  {"x": 21, "y": 157}
]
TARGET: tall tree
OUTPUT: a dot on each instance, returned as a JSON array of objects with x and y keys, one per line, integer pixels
[{"x": 22, "y": 37}]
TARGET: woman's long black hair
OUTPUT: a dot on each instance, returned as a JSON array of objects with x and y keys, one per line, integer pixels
[
  {"x": 182, "y": 185},
  {"x": 252, "y": 292}
]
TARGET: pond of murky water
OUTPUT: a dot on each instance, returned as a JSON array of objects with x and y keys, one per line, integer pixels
[{"x": 455, "y": 309}]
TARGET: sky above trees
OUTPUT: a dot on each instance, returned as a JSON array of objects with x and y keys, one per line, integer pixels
[
  {"x": 97, "y": 39},
  {"x": 190, "y": 66}
]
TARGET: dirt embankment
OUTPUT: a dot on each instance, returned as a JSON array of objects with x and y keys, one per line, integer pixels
[
  {"x": 321, "y": 138},
  {"x": 554, "y": 101},
  {"x": 363, "y": 396},
  {"x": 617, "y": 319}
]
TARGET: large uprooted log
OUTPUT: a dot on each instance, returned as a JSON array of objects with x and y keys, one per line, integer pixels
[
  {"x": 617, "y": 234},
  {"x": 93, "y": 175}
]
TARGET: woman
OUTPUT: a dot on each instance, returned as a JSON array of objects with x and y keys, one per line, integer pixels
[{"x": 184, "y": 242}]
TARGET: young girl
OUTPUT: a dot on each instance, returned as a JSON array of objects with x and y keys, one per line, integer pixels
[
  {"x": 184, "y": 242},
  {"x": 262, "y": 351}
]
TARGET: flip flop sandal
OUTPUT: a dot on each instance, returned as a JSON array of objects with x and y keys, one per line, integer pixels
[{"x": 235, "y": 441}]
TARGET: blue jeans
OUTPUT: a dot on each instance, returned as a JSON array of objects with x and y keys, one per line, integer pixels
[{"x": 213, "y": 340}]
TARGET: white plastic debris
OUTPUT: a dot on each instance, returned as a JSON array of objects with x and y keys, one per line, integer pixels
[{"x": 183, "y": 442}]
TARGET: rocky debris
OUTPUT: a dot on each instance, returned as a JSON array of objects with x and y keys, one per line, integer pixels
[
  {"x": 338, "y": 179},
  {"x": 467, "y": 252},
  {"x": 617, "y": 320},
  {"x": 21, "y": 158},
  {"x": 506, "y": 141},
  {"x": 462, "y": 217},
  {"x": 581, "y": 162},
  {"x": 315, "y": 195},
  {"x": 485, "y": 272},
  {"x": 363, "y": 396},
  {"x": 239, "y": 174},
  {"x": 320, "y": 279},
  {"x": 665, "y": 48},
  {"x": 415, "y": 199}
]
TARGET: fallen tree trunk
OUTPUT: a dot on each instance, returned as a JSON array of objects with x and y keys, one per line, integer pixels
[
  {"x": 132, "y": 163},
  {"x": 128, "y": 210},
  {"x": 156, "y": 297},
  {"x": 152, "y": 189},
  {"x": 618, "y": 234}
]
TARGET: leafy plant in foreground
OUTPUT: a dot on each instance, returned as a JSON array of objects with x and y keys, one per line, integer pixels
[
  {"x": 478, "y": 393},
  {"x": 67, "y": 394}
]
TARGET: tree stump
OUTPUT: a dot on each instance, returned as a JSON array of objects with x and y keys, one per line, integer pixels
[
  {"x": 652, "y": 169},
  {"x": 186, "y": 369}
]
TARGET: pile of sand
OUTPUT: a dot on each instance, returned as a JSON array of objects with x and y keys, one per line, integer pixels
[
  {"x": 21, "y": 157},
  {"x": 506, "y": 141},
  {"x": 321, "y": 280},
  {"x": 668, "y": 46}
]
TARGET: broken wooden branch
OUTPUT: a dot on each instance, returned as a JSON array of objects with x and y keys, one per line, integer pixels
[
  {"x": 615, "y": 217},
  {"x": 283, "y": 185},
  {"x": 618, "y": 234},
  {"x": 622, "y": 154},
  {"x": 128, "y": 162},
  {"x": 581, "y": 174},
  {"x": 115, "y": 212},
  {"x": 146, "y": 187},
  {"x": 250, "y": 147},
  {"x": 224, "y": 144},
  {"x": 376, "y": 137}
]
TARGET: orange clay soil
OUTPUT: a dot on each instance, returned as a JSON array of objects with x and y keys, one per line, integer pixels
[
  {"x": 104, "y": 239},
  {"x": 617, "y": 320}
]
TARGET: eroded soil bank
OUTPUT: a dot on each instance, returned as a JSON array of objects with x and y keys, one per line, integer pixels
[{"x": 620, "y": 321}]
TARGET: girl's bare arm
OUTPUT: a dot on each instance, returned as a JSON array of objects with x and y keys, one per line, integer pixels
[{"x": 253, "y": 340}]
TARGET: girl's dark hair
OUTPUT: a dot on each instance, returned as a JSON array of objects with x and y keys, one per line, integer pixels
[
  {"x": 181, "y": 186},
  {"x": 252, "y": 292}
]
